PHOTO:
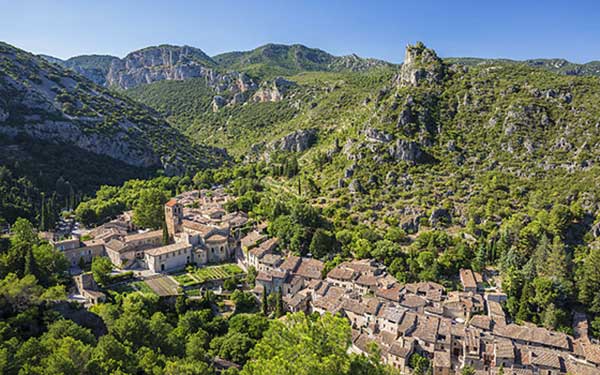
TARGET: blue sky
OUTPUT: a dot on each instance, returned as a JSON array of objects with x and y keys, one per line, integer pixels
[{"x": 381, "y": 29}]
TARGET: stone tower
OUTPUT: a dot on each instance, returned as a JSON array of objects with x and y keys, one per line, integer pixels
[{"x": 173, "y": 216}]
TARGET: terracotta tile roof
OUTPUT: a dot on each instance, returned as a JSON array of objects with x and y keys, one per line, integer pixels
[
  {"x": 252, "y": 239},
  {"x": 362, "y": 342},
  {"x": 397, "y": 350},
  {"x": 295, "y": 300},
  {"x": 342, "y": 274},
  {"x": 215, "y": 238},
  {"x": 371, "y": 304},
  {"x": 504, "y": 348},
  {"x": 272, "y": 260},
  {"x": 290, "y": 263},
  {"x": 540, "y": 357},
  {"x": 535, "y": 335},
  {"x": 587, "y": 350},
  {"x": 116, "y": 245},
  {"x": 353, "y": 306},
  {"x": 167, "y": 249},
  {"x": 195, "y": 226},
  {"x": 263, "y": 276},
  {"x": 481, "y": 321},
  {"x": 442, "y": 359},
  {"x": 393, "y": 293},
  {"x": 310, "y": 268},
  {"x": 427, "y": 328},
  {"x": 408, "y": 323},
  {"x": 329, "y": 303},
  {"x": 467, "y": 278},
  {"x": 144, "y": 235},
  {"x": 393, "y": 314},
  {"x": 361, "y": 266},
  {"x": 412, "y": 301},
  {"x": 171, "y": 202},
  {"x": 366, "y": 280}
]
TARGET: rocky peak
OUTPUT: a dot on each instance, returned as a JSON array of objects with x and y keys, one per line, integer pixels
[{"x": 421, "y": 65}]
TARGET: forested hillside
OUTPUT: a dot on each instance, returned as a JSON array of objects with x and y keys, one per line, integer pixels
[
  {"x": 487, "y": 165},
  {"x": 59, "y": 129}
]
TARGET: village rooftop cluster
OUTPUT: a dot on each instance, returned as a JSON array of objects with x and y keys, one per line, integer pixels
[{"x": 454, "y": 329}]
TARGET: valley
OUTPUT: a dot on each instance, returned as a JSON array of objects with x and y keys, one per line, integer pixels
[{"x": 437, "y": 216}]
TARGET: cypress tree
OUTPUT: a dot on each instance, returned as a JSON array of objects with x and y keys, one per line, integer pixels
[
  {"x": 279, "y": 304},
  {"x": 29, "y": 268},
  {"x": 165, "y": 233},
  {"x": 265, "y": 304},
  {"x": 43, "y": 213}
]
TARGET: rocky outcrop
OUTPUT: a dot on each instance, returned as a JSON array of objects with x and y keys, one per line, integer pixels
[
  {"x": 298, "y": 141},
  {"x": 439, "y": 216},
  {"x": 408, "y": 151},
  {"x": 376, "y": 135},
  {"x": 356, "y": 187},
  {"x": 526, "y": 116},
  {"x": 410, "y": 224},
  {"x": 273, "y": 91},
  {"x": 421, "y": 65},
  {"x": 218, "y": 102}
]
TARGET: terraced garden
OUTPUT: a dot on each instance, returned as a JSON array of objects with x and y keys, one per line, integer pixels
[
  {"x": 204, "y": 274},
  {"x": 136, "y": 286}
]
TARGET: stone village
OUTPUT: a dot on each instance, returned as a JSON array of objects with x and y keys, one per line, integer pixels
[{"x": 453, "y": 329}]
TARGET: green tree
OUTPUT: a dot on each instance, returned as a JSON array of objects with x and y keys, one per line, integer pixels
[
  {"x": 322, "y": 243},
  {"x": 149, "y": 210},
  {"x": 265, "y": 303},
  {"x": 165, "y": 234},
  {"x": 279, "y": 304},
  {"x": 317, "y": 346},
  {"x": 101, "y": 270}
]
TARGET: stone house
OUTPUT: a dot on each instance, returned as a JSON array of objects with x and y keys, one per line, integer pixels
[
  {"x": 255, "y": 254},
  {"x": 123, "y": 251},
  {"x": 87, "y": 287},
  {"x": 76, "y": 251},
  {"x": 169, "y": 258}
]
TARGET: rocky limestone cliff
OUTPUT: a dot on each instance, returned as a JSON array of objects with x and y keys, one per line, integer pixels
[
  {"x": 45, "y": 102},
  {"x": 160, "y": 63},
  {"x": 421, "y": 65}
]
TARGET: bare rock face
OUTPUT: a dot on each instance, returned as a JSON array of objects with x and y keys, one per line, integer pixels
[
  {"x": 159, "y": 63},
  {"x": 176, "y": 64},
  {"x": 273, "y": 92},
  {"x": 376, "y": 135},
  {"x": 421, "y": 65},
  {"x": 298, "y": 141},
  {"x": 409, "y": 151},
  {"x": 245, "y": 83}
]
